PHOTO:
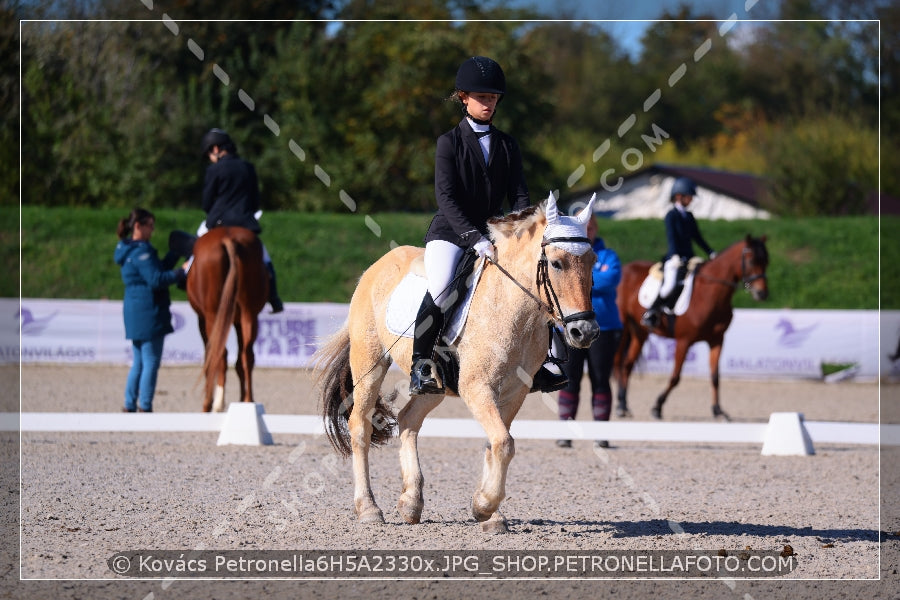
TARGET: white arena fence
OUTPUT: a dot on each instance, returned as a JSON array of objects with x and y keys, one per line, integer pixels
[
  {"x": 247, "y": 424},
  {"x": 760, "y": 343}
]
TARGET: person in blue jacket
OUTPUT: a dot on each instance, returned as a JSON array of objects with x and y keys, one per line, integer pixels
[
  {"x": 146, "y": 304},
  {"x": 681, "y": 233},
  {"x": 599, "y": 356}
]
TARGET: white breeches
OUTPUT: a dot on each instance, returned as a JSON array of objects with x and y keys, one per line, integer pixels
[
  {"x": 670, "y": 271},
  {"x": 441, "y": 258}
]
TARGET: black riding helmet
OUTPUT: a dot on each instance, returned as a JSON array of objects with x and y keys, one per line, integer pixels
[
  {"x": 481, "y": 74},
  {"x": 216, "y": 137}
]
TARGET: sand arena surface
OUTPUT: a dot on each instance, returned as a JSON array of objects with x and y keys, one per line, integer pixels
[{"x": 86, "y": 496}]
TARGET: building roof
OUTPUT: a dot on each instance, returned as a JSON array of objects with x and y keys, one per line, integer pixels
[
  {"x": 644, "y": 194},
  {"x": 740, "y": 186}
]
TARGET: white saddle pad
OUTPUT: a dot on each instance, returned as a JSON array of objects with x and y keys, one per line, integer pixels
[
  {"x": 407, "y": 297},
  {"x": 650, "y": 290}
]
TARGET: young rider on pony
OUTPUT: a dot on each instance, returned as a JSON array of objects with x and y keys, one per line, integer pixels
[
  {"x": 477, "y": 169},
  {"x": 231, "y": 196},
  {"x": 681, "y": 231}
]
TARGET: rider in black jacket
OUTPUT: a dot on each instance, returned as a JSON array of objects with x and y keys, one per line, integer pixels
[
  {"x": 231, "y": 196},
  {"x": 478, "y": 170}
]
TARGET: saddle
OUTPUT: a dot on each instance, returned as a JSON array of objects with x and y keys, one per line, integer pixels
[
  {"x": 400, "y": 317},
  {"x": 678, "y": 305},
  {"x": 403, "y": 304}
]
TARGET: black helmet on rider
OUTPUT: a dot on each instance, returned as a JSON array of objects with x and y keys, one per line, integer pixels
[
  {"x": 217, "y": 137},
  {"x": 481, "y": 74},
  {"x": 684, "y": 186}
]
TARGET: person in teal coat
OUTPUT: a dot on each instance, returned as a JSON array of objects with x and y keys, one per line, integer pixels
[{"x": 146, "y": 304}]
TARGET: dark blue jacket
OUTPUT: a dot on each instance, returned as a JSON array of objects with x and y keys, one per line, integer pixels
[
  {"x": 681, "y": 231},
  {"x": 231, "y": 193},
  {"x": 606, "y": 274},
  {"x": 147, "y": 281},
  {"x": 468, "y": 190}
]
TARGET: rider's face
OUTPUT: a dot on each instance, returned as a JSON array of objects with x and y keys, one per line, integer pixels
[{"x": 480, "y": 105}]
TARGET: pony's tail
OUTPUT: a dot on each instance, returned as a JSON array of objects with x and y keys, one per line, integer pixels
[
  {"x": 335, "y": 382},
  {"x": 215, "y": 351}
]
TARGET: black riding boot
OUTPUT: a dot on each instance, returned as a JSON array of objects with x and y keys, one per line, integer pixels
[
  {"x": 429, "y": 322},
  {"x": 274, "y": 300},
  {"x": 651, "y": 317},
  {"x": 546, "y": 380}
]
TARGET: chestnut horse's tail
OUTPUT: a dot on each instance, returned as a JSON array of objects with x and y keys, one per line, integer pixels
[
  {"x": 215, "y": 345},
  {"x": 335, "y": 382}
]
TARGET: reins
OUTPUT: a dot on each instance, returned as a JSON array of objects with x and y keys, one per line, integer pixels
[
  {"x": 545, "y": 287},
  {"x": 745, "y": 280}
]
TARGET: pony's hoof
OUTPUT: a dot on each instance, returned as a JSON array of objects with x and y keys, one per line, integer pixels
[
  {"x": 622, "y": 412},
  {"x": 656, "y": 413},
  {"x": 373, "y": 516},
  {"x": 410, "y": 511},
  {"x": 481, "y": 510},
  {"x": 496, "y": 524}
]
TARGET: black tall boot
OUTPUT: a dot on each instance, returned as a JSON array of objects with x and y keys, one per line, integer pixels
[
  {"x": 546, "y": 380},
  {"x": 429, "y": 322},
  {"x": 274, "y": 300},
  {"x": 651, "y": 317}
]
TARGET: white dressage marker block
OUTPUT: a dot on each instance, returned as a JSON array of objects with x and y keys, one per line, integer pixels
[
  {"x": 244, "y": 425},
  {"x": 787, "y": 436}
]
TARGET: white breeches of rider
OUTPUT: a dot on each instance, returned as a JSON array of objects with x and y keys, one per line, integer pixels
[
  {"x": 441, "y": 258},
  {"x": 670, "y": 274}
]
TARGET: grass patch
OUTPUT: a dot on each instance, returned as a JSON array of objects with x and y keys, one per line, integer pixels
[{"x": 815, "y": 262}]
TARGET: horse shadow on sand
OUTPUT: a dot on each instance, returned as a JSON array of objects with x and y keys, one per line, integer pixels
[{"x": 663, "y": 527}]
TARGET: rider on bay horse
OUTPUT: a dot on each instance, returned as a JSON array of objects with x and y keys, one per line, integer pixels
[
  {"x": 230, "y": 198},
  {"x": 681, "y": 232}
]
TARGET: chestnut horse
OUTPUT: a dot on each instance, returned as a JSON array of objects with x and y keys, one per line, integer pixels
[
  {"x": 742, "y": 264},
  {"x": 502, "y": 344},
  {"x": 227, "y": 284}
]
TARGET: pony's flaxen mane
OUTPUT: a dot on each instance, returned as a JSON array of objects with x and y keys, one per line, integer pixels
[{"x": 516, "y": 222}]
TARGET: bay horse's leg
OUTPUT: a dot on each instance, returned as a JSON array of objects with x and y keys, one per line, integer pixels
[
  {"x": 218, "y": 399},
  {"x": 715, "y": 352},
  {"x": 681, "y": 350},
  {"x": 365, "y": 397},
  {"x": 411, "y": 503},
  {"x": 247, "y": 329}
]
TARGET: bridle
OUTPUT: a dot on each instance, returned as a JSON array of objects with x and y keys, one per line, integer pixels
[
  {"x": 545, "y": 286},
  {"x": 746, "y": 279}
]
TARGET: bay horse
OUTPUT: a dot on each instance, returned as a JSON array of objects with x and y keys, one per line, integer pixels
[
  {"x": 743, "y": 264},
  {"x": 502, "y": 344},
  {"x": 227, "y": 285}
]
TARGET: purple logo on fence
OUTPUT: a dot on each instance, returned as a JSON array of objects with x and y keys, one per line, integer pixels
[
  {"x": 286, "y": 337},
  {"x": 793, "y": 337},
  {"x": 177, "y": 320},
  {"x": 31, "y": 325},
  {"x": 659, "y": 349}
]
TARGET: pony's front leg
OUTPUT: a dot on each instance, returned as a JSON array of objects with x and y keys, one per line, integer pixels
[
  {"x": 497, "y": 456},
  {"x": 411, "y": 503}
]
